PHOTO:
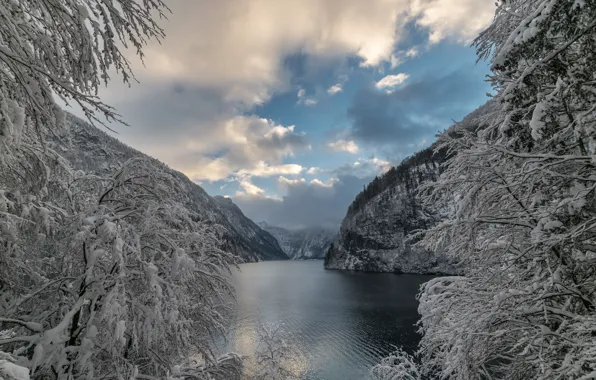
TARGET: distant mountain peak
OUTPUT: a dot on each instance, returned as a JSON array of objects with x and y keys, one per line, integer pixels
[{"x": 302, "y": 244}]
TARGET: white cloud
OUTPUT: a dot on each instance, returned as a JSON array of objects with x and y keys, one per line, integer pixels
[
  {"x": 286, "y": 182},
  {"x": 403, "y": 55},
  {"x": 262, "y": 169},
  {"x": 305, "y": 203},
  {"x": 344, "y": 146},
  {"x": 334, "y": 89},
  {"x": 239, "y": 45},
  {"x": 250, "y": 188},
  {"x": 247, "y": 145},
  {"x": 391, "y": 81},
  {"x": 229, "y": 56},
  {"x": 364, "y": 167},
  {"x": 329, "y": 184},
  {"x": 313, "y": 170},
  {"x": 303, "y": 99},
  {"x": 458, "y": 19}
]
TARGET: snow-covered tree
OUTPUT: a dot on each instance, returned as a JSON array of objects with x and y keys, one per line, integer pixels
[
  {"x": 524, "y": 212},
  {"x": 399, "y": 365},
  {"x": 101, "y": 276},
  {"x": 112, "y": 277},
  {"x": 66, "y": 48},
  {"x": 274, "y": 356}
]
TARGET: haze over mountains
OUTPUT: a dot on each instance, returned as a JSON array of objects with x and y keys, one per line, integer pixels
[{"x": 302, "y": 244}]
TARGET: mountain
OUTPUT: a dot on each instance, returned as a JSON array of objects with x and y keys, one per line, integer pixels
[
  {"x": 261, "y": 239},
  {"x": 303, "y": 244},
  {"x": 93, "y": 151},
  {"x": 373, "y": 235}
]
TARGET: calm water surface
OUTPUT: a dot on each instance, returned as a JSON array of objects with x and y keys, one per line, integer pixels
[{"x": 339, "y": 323}]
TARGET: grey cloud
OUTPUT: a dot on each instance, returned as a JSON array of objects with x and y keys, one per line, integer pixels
[
  {"x": 413, "y": 112},
  {"x": 305, "y": 204}
]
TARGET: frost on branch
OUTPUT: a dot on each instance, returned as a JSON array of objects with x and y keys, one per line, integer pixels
[
  {"x": 111, "y": 277},
  {"x": 525, "y": 211},
  {"x": 65, "y": 48},
  {"x": 399, "y": 365},
  {"x": 275, "y": 358}
]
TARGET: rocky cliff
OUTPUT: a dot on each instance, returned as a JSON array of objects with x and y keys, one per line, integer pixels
[
  {"x": 93, "y": 151},
  {"x": 373, "y": 235},
  {"x": 303, "y": 244},
  {"x": 262, "y": 240}
]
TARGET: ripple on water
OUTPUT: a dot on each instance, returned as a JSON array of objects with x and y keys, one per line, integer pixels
[{"x": 339, "y": 324}]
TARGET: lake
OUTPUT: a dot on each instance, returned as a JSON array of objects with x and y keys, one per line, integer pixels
[{"x": 340, "y": 324}]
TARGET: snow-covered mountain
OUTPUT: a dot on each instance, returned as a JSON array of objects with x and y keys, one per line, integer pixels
[
  {"x": 266, "y": 243},
  {"x": 93, "y": 151},
  {"x": 372, "y": 236},
  {"x": 304, "y": 244}
]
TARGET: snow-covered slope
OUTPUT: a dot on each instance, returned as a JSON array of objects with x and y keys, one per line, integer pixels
[
  {"x": 258, "y": 237},
  {"x": 90, "y": 149},
  {"x": 373, "y": 234},
  {"x": 303, "y": 244}
]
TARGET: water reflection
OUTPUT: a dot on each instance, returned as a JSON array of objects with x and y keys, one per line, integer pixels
[{"x": 340, "y": 324}]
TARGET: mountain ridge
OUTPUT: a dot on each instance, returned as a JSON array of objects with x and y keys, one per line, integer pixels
[
  {"x": 302, "y": 244},
  {"x": 92, "y": 150},
  {"x": 375, "y": 234}
]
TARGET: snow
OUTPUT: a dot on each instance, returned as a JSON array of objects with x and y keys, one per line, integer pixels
[
  {"x": 537, "y": 124},
  {"x": 119, "y": 333},
  {"x": 302, "y": 244},
  {"x": 11, "y": 371}
]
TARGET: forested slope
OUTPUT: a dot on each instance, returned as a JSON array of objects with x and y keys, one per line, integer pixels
[
  {"x": 93, "y": 151},
  {"x": 374, "y": 234}
]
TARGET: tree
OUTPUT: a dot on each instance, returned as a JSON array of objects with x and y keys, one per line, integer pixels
[
  {"x": 399, "y": 365},
  {"x": 274, "y": 356},
  {"x": 521, "y": 189},
  {"x": 113, "y": 277},
  {"x": 101, "y": 276},
  {"x": 66, "y": 48}
]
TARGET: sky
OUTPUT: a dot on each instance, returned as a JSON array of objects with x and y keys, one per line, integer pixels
[{"x": 290, "y": 107}]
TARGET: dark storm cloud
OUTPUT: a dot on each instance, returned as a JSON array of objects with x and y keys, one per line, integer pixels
[
  {"x": 415, "y": 111},
  {"x": 305, "y": 204}
]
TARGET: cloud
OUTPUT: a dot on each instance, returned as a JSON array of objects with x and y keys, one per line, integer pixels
[
  {"x": 391, "y": 81},
  {"x": 335, "y": 89},
  {"x": 344, "y": 146},
  {"x": 403, "y": 55},
  {"x": 238, "y": 46},
  {"x": 247, "y": 145},
  {"x": 458, "y": 19},
  {"x": 285, "y": 182},
  {"x": 249, "y": 188},
  {"x": 414, "y": 111},
  {"x": 303, "y": 99},
  {"x": 194, "y": 108},
  {"x": 262, "y": 169},
  {"x": 364, "y": 167},
  {"x": 314, "y": 203}
]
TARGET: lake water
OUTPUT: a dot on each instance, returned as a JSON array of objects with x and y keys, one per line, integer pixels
[{"x": 340, "y": 324}]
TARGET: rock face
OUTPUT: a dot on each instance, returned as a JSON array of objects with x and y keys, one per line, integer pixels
[
  {"x": 373, "y": 235},
  {"x": 304, "y": 244},
  {"x": 262, "y": 240},
  {"x": 90, "y": 149}
]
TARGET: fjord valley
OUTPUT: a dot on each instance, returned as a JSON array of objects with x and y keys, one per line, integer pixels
[{"x": 318, "y": 190}]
